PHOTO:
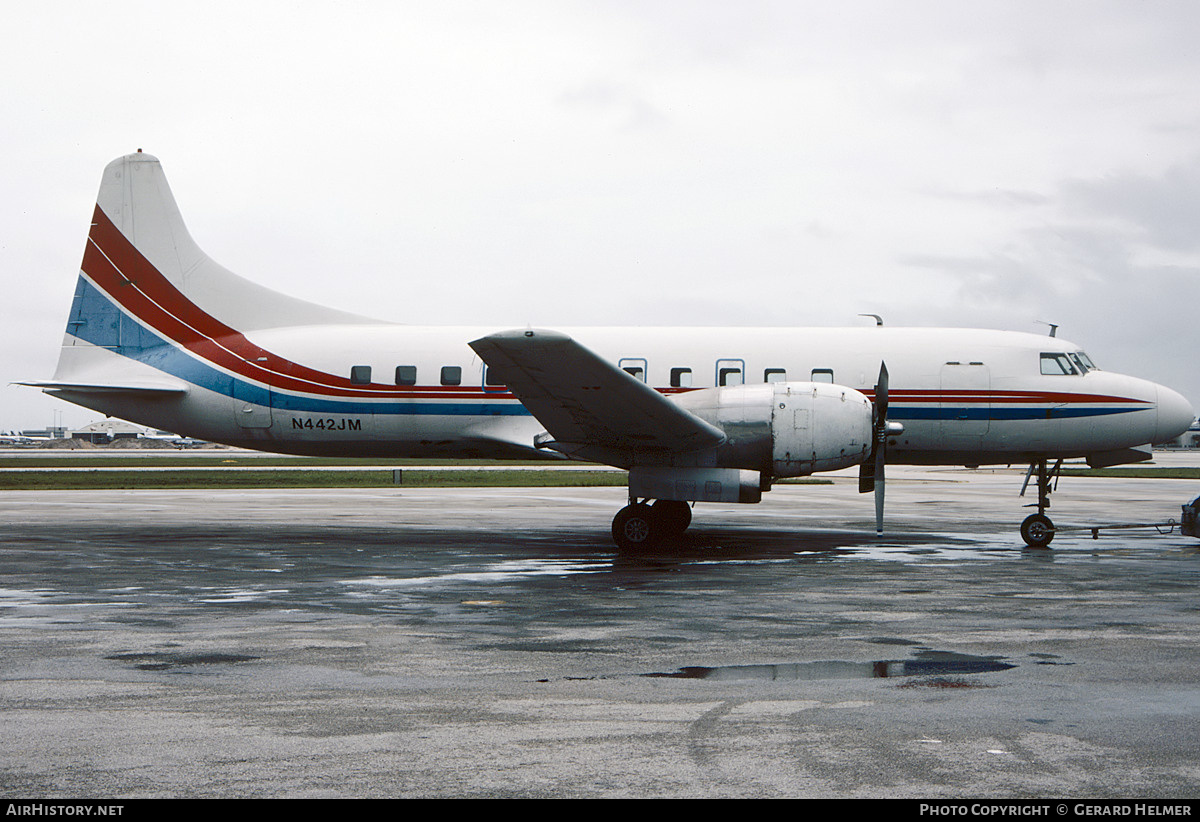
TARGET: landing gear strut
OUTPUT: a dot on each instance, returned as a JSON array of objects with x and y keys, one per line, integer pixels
[
  {"x": 1037, "y": 530},
  {"x": 641, "y": 525}
]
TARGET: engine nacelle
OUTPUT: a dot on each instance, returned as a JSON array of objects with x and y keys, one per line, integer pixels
[
  {"x": 787, "y": 429},
  {"x": 818, "y": 427},
  {"x": 696, "y": 484}
]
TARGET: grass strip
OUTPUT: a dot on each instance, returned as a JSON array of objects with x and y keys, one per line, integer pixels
[
  {"x": 1134, "y": 473},
  {"x": 467, "y": 478},
  {"x": 183, "y": 462}
]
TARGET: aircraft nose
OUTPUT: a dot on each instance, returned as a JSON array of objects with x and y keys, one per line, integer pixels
[{"x": 1175, "y": 415}]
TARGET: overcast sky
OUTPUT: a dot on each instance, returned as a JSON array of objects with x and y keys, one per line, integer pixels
[{"x": 985, "y": 164}]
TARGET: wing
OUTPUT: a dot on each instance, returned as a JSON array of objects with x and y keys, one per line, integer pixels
[{"x": 590, "y": 407}]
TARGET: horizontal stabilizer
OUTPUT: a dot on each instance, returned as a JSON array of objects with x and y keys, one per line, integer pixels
[
  {"x": 157, "y": 389},
  {"x": 587, "y": 403}
]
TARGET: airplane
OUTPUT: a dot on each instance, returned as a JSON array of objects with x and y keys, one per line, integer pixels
[
  {"x": 162, "y": 335},
  {"x": 15, "y": 438}
]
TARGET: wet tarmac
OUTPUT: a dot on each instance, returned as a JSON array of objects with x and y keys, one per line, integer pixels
[{"x": 493, "y": 643}]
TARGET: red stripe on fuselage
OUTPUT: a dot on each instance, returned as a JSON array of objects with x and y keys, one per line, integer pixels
[
  {"x": 966, "y": 396},
  {"x": 121, "y": 271},
  {"x": 116, "y": 267}
]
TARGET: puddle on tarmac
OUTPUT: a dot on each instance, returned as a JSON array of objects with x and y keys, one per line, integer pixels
[
  {"x": 926, "y": 663},
  {"x": 164, "y": 661}
]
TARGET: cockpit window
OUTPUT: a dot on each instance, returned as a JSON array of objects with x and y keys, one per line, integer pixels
[
  {"x": 1083, "y": 369},
  {"x": 1087, "y": 361},
  {"x": 1057, "y": 365}
]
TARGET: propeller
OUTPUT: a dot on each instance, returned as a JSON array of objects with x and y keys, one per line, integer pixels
[{"x": 871, "y": 474}]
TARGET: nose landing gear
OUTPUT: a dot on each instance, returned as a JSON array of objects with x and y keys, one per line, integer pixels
[{"x": 1037, "y": 530}]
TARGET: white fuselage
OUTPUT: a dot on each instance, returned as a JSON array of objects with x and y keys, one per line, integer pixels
[
  {"x": 964, "y": 396},
  {"x": 159, "y": 333}
]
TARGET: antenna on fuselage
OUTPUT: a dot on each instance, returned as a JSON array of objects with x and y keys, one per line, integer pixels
[
  {"x": 1053, "y": 327},
  {"x": 878, "y": 319}
]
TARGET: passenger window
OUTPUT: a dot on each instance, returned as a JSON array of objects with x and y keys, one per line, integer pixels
[
  {"x": 822, "y": 375},
  {"x": 491, "y": 377},
  {"x": 1057, "y": 365},
  {"x": 634, "y": 366},
  {"x": 406, "y": 375},
  {"x": 360, "y": 375},
  {"x": 451, "y": 375},
  {"x": 729, "y": 371},
  {"x": 775, "y": 375},
  {"x": 681, "y": 378}
]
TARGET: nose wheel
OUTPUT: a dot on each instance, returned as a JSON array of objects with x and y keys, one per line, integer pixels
[{"x": 1037, "y": 530}]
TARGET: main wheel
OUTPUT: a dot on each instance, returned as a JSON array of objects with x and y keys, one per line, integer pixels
[
  {"x": 636, "y": 526},
  {"x": 1037, "y": 530},
  {"x": 673, "y": 516}
]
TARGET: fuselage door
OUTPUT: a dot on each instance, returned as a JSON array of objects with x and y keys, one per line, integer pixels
[
  {"x": 251, "y": 405},
  {"x": 965, "y": 409}
]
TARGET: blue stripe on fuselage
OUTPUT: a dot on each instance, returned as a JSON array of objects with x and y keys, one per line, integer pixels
[{"x": 97, "y": 320}]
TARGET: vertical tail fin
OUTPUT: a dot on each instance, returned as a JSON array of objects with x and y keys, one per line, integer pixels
[
  {"x": 145, "y": 283},
  {"x": 135, "y": 198}
]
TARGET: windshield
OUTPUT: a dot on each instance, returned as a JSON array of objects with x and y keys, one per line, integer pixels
[{"x": 1056, "y": 364}]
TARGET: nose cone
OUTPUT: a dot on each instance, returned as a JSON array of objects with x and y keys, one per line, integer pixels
[{"x": 1175, "y": 415}]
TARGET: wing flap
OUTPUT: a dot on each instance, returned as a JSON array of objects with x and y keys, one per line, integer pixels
[{"x": 586, "y": 403}]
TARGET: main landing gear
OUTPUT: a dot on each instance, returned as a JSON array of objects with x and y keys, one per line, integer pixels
[
  {"x": 642, "y": 525},
  {"x": 1037, "y": 530}
]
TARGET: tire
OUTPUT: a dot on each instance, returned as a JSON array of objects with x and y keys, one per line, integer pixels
[
  {"x": 1037, "y": 530},
  {"x": 673, "y": 516},
  {"x": 636, "y": 527}
]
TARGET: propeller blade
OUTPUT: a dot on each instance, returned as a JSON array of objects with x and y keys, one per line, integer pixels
[
  {"x": 881, "y": 396},
  {"x": 866, "y": 473},
  {"x": 869, "y": 470},
  {"x": 879, "y": 486},
  {"x": 879, "y": 447}
]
